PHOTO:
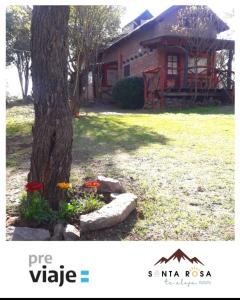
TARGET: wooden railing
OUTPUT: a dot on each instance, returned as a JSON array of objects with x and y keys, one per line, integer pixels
[
  {"x": 154, "y": 83},
  {"x": 155, "y": 80},
  {"x": 208, "y": 78}
]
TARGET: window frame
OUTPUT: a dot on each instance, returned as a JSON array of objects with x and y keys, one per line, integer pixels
[
  {"x": 172, "y": 64},
  {"x": 126, "y": 70}
]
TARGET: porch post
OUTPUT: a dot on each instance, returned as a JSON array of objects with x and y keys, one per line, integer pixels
[
  {"x": 229, "y": 70},
  {"x": 185, "y": 71}
]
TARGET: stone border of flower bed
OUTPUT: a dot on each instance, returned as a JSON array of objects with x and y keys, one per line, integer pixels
[
  {"x": 110, "y": 214},
  {"x": 116, "y": 211}
]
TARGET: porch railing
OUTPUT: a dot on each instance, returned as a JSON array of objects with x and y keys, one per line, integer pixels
[{"x": 155, "y": 82}]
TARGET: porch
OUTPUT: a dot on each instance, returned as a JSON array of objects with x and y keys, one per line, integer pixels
[{"x": 188, "y": 75}]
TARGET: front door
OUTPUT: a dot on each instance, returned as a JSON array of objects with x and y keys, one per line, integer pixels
[{"x": 172, "y": 80}]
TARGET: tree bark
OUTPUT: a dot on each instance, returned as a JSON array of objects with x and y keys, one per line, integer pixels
[
  {"x": 23, "y": 69},
  {"x": 76, "y": 94},
  {"x": 52, "y": 130},
  {"x": 26, "y": 77},
  {"x": 76, "y": 87},
  {"x": 20, "y": 73}
]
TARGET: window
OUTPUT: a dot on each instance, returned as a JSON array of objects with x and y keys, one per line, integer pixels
[
  {"x": 126, "y": 71},
  {"x": 172, "y": 64},
  {"x": 199, "y": 62}
]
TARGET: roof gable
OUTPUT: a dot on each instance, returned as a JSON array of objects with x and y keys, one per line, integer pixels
[
  {"x": 146, "y": 15},
  {"x": 141, "y": 19},
  {"x": 165, "y": 14}
]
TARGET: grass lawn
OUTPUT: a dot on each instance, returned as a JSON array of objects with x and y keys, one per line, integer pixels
[{"x": 180, "y": 165}]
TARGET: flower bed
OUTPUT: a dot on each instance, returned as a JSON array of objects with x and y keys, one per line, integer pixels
[{"x": 81, "y": 200}]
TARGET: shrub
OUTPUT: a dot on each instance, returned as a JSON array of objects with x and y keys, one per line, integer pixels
[
  {"x": 129, "y": 93},
  {"x": 36, "y": 209},
  {"x": 68, "y": 210},
  {"x": 86, "y": 204},
  {"x": 91, "y": 203}
]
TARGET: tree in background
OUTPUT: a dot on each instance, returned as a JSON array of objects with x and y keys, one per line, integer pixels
[
  {"x": 199, "y": 25},
  {"x": 222, "y": 58},
  {"x": 196, "y": 22},
  {"x": 90, "y": 28},
  {"x": 52, "y": 131},
  {"x": 18, "y": 22}
]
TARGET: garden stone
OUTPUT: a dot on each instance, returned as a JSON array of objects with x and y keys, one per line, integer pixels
[
  {"x": 58, "y": 232},
  {"x": 26, "y": 234},
  {"x": 11, "y": 221},
  {"x": 110, "y": 214},
  {"x": 114, "y": 195},
  {"x": 109, "y": 185},
  {"x": 71, "y": 233}
]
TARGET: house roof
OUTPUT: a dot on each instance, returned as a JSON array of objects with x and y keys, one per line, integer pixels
[
  {"x": 171, "y": 40},
  {"x": 146, "y": 15},
  {"x": 221, "y": 25}
]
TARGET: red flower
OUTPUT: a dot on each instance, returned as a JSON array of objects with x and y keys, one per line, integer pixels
[
  {"x": 33, "y": 186},
  {"x": 91, "y": 184}
]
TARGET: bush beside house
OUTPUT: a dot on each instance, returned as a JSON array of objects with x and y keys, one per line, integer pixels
[{"x": 129, "y": 93}]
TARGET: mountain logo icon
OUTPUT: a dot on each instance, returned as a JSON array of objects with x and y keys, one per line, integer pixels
[{"x": 179, "y": 255}]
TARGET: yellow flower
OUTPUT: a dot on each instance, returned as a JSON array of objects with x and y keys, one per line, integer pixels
[{"x": 64, "y": 185}]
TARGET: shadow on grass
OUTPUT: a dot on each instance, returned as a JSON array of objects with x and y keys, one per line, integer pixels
[
  {"x": 115, "y": 233},
  {"x": 18, "y": 149},
  {"x": 99, "y": 135}
]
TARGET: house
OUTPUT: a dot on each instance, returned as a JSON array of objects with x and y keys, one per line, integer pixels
[{"x": 175, "y": 55}]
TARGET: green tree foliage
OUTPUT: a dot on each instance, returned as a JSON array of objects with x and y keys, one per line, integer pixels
[
  {"x": 18, "y": 22},
  {"x": 90, "y": 29},
  {"x": 91, "y": 26}
]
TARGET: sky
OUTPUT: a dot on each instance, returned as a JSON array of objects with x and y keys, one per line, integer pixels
[{"x": 132, "y": 11}]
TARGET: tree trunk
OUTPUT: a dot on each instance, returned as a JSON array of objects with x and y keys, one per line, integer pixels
[
  {"x": 52, "y": 130},
  {"x": 76, "y": 87},
  {"x": 76, "y": 94},
  {"x": 23, "y": 73},
  {"x": 20, "y": 73},
  {"x": 26, "y": 77}
]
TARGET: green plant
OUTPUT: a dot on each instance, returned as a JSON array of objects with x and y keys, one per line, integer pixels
[
  {"x": 36, "y": 208},
  {"x": 129, "y": 93},
  {"x": 68, "y": 210},
  {"x": 86, "y": 204},
  {"x": 91, "y": 203}
]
